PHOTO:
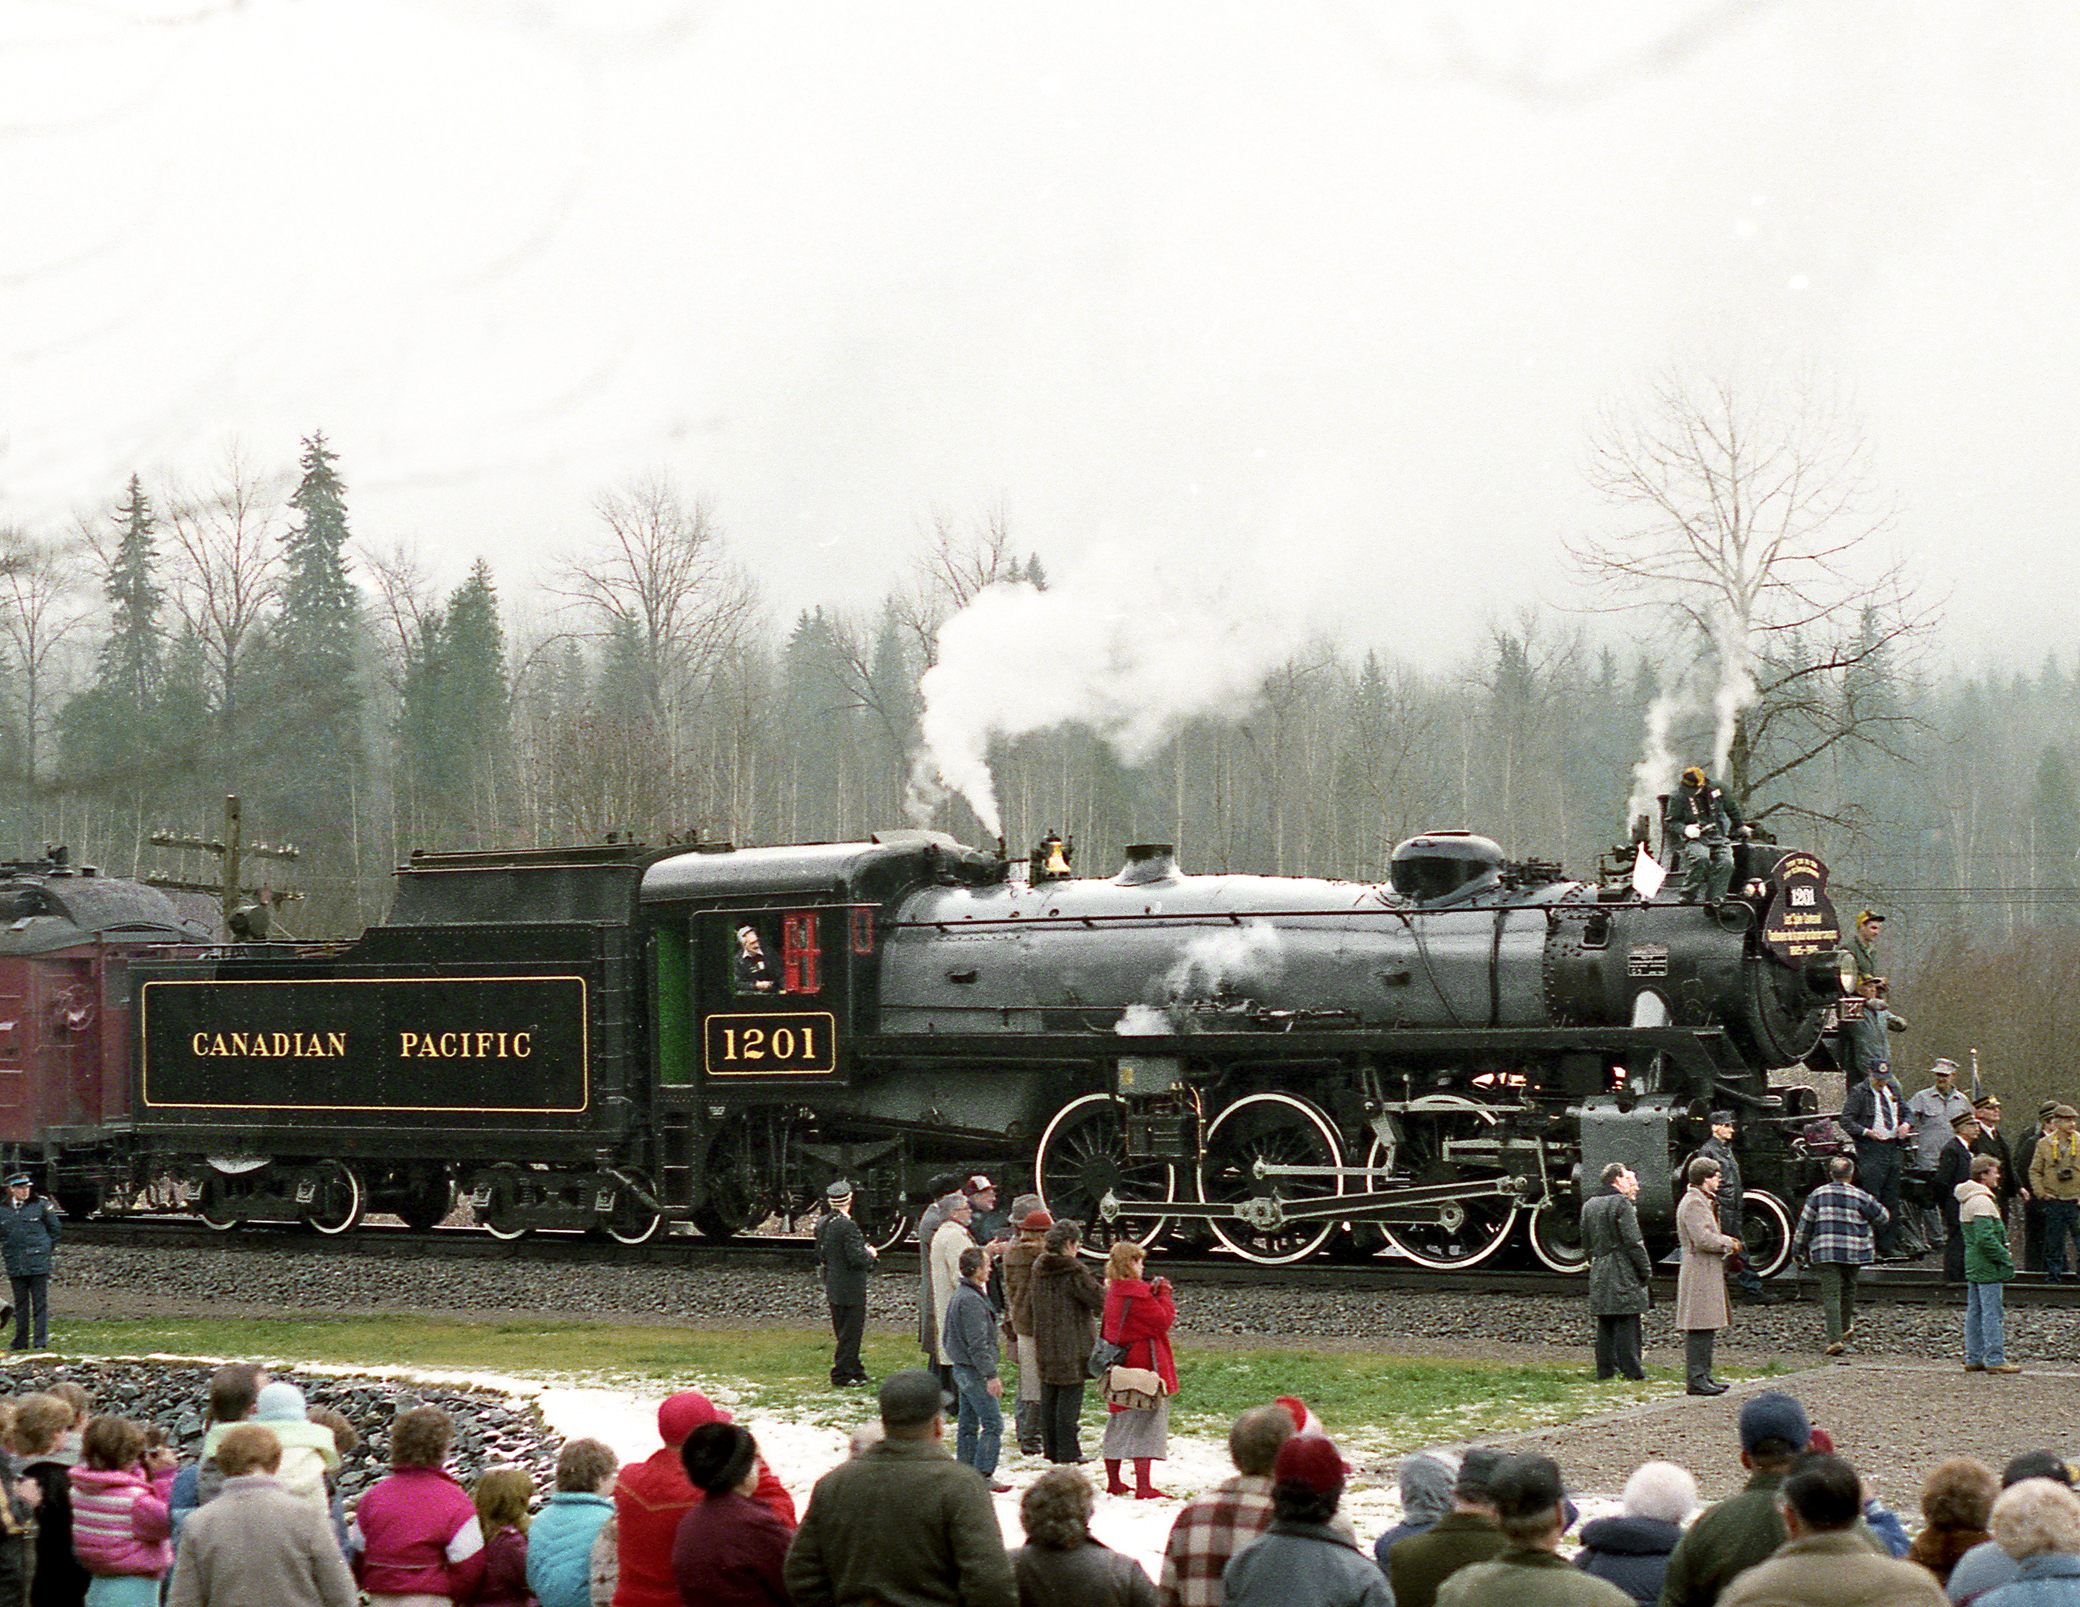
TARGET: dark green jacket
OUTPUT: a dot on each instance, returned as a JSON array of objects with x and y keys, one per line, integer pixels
[
  {"x": 1419, "y": 1563},
  {"x": 1986, "y": 1256},
  {"x": 900, "y": 1525},
  {"x": 1729, "y": 1539}
]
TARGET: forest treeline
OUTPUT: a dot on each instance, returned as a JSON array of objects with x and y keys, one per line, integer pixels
[{"x": 194, "y": 641}]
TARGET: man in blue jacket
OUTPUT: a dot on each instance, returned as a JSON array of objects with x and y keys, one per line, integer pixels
[{"x": 28, "y": 1239}]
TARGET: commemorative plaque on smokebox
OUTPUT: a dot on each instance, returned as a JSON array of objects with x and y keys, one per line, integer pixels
[{"x": 1800, "y": 920}]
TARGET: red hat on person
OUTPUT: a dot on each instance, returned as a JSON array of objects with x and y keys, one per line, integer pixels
[
  {"x": 1035, "y": 1221},
  {"x": 681, "y": 1414},
  {"x": 1821, "y": 1442},
  {"x": 1311, "y": 1460},
  {"x": 976, "y": 1184},
  {"x": 1304, "y": 1420}
]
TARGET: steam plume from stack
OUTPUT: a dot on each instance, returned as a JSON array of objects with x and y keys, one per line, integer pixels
[{"x": 1133, "y": 667}]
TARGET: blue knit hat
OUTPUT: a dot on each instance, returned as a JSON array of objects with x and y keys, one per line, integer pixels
[
  {"x": 1773, "y": 1415},
  {"x": 279, "y": 1403}
]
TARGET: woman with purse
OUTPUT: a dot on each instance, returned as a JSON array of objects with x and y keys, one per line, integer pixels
[
  {"x": 1138, "y": 1315},
  {"x": 1060, "y": 1302}
]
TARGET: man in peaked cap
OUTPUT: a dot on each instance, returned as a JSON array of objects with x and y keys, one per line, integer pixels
[
  {"x": 845, "y": 1256},
  {"x": 28, "y": 1244}
]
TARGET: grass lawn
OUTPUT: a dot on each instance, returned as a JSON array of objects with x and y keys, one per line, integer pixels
[{"x": 1372, "y": 1404}]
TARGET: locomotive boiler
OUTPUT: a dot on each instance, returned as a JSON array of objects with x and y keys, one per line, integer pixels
[{"x": 615, "y": 1038}]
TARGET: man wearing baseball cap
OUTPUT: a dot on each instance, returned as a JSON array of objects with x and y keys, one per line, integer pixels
[
  {"x": 845, "y": 1256},
  {"x": 1702, "y": 821}
]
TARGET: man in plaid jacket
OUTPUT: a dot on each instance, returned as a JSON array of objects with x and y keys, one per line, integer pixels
[
  {"x": 1835, "y": 1233},
  {"x": 1212, "y": 1528}
]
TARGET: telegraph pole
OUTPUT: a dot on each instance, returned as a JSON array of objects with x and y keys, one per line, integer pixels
[{"x": 240, "y": 904}]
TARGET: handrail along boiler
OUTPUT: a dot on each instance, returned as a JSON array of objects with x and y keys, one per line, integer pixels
[{"x": 613, "y": 1037}]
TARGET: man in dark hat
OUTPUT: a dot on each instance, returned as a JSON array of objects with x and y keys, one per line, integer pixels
[
  {"x": 2054, "y": 1180},
  {"x": 1420, "y": 1564},
  {"x": 1702, "y": 821},
  {"x": 1530, "y": 1507},
  {"x": 902, "y": 1521},
  {"x": 1719, "y": 1147},
  {"x": 845, "y": 1256},
  {"x": 1875, "y": 1115},
  {"x": 28, "y": 1244},
  {"x": 1954, "y": 1166},
  {"x": 2031, "y": 1256}
]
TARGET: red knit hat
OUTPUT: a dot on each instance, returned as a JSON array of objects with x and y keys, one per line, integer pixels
[
  {"x": 681, "y": 1414},
  {"x": 1311, "y": 1460},
  {"x": 1036, "y": 1221}
]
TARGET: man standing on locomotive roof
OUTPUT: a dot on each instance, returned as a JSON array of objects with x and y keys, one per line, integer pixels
[
  {"x": 1702, "y": 821},
  {"x": 1620, "y": 1272},
  {"x": 1863, "y": 944},
  {"x": 845, "y": 1254},
  {"x": 28, "y": 1240},
  {"x": 1719, "y": 1147}
]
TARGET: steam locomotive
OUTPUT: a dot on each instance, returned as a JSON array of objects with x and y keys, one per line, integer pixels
[{"x": 613, "y": 1038}]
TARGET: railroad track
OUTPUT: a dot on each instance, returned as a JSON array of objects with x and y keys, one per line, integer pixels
[{"x": 1887, "y": 1284}]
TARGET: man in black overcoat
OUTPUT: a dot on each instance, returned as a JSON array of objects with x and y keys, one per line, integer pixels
[
  {"x": 1954, "y": 1166},
  {"x": 28, "y": 1244},
  {"x": 1619, "y": 1272},
  {"x": 845, "y": 1255}
]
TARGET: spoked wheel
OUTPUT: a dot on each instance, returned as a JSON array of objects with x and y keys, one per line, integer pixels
[
  {"x": 1765, "y": 1232},
  {"x": 631, "y": 1221},
  {"x": 883, "y": 1226},
  {"x": 1281, "y": 1131},
  {"x": 729, "y": 1208},
  {"x": 329, "y": 1195},
  {"x": 503, "y": 1214},
  {"x": 1461, "y": 1233},
  {"x": 1555, "y": 1232},
  {"x": 1082, "y": 1158}
]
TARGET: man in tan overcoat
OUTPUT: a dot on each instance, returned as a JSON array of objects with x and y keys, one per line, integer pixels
[{"x": 1701, "y": 1308}]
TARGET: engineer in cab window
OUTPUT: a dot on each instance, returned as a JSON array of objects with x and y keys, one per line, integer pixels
[{"x": 755, "y": 971}]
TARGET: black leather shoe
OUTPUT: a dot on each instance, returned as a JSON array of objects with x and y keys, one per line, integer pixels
[{"x": 1707, "y": 1388}]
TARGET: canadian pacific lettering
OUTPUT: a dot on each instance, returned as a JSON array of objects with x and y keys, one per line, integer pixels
[
  {"x": 268, "y": 1045},
  {"x": 465, "y": 1045}
]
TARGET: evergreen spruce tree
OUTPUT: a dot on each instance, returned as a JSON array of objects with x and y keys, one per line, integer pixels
[
  {"x": 312, "y": 743},
  {"x": 454, "y": 731},
  {"x": 112, "y": 736}
]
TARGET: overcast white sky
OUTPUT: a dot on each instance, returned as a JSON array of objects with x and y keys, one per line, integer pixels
[{"x": 1327, "y": 287}]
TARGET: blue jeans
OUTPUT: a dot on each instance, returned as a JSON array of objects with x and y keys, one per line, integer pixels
[
  {"x": 2061, "y": 1222},
  {"x": 1982, "y": 1326},
  {"x": 981, "y": 1428}
]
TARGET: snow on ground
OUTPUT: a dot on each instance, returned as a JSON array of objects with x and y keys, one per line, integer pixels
[{"x": 801, "y": 1452}]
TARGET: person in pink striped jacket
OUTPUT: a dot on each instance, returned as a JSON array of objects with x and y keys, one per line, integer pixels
[{"x": 120, "y": 1528}]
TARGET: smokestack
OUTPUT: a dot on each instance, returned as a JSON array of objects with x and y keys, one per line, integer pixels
[{"x": 1148, "y": 862}]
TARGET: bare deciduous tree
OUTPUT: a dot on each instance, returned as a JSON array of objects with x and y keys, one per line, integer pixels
[
  {"x": 956, "y": 565},
  {"x": 227, "y": 576},
  {"x": 662, "y": 578},
  {"x": 40, "y": 606},
  {"x": 1755, "y": 545}
]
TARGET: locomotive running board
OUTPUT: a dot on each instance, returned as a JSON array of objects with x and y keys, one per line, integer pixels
[{"x": 1413, "y": 1206}]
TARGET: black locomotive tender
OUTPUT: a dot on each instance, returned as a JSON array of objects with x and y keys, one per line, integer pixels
[{"x": 612, "y": 1038}]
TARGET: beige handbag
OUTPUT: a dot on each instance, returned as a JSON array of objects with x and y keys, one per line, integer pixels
[{"x": 1139, "y": 1389}]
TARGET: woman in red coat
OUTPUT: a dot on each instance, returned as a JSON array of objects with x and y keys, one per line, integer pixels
[{"x": 1138, "y": 1316}]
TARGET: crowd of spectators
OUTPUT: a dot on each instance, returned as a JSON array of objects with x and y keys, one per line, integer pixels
[{"x": 95, "y": 1511}]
